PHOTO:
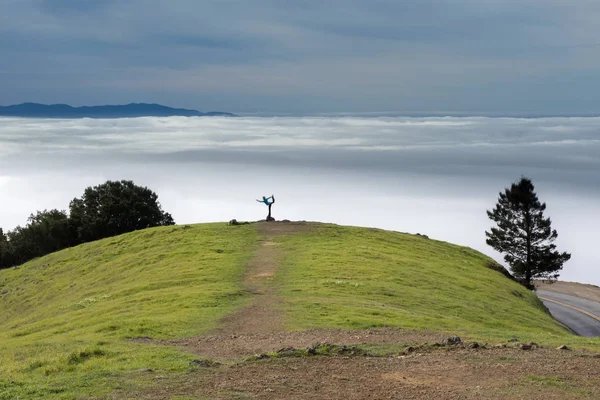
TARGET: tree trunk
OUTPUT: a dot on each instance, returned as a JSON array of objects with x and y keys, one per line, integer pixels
[
  {"x": 528, "y": 267},
  {"x": 528, "y": 283}
]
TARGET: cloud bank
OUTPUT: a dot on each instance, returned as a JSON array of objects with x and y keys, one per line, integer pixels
[
  {"x": 551, "y": 148},
  {"x": 435, "y": 176}
]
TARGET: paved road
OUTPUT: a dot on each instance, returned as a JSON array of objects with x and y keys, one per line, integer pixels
[{"x": 581, "y": 315}]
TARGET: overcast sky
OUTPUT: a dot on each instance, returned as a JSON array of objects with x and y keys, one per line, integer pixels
[{"x": 303, "y": 57}]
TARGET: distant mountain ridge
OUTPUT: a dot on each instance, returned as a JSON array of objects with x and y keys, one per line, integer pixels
[{"x": 36, "y": 110}]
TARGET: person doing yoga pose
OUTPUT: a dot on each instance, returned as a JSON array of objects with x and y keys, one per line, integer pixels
[{"x": 269, "y": 201}]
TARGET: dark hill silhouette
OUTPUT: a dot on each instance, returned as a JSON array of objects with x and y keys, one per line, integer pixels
[{"x": 35, "y": 110}]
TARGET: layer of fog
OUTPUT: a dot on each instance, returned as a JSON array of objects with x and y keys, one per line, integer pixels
[{"x": 435, "y": 176}]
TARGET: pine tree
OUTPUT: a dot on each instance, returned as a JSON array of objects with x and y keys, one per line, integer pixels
[{"x": 524, "y": 235}]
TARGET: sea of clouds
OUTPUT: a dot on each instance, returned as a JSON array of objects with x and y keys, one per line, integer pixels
[{"x": 436, "y": 176}]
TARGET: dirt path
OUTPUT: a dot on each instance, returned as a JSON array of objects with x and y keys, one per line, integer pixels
[
  {"x": 489, "y": 372},
  {"x": 263, "y": 314},
  {"x": 260, "y": 326},
  {"x": 241, "y": 332}
]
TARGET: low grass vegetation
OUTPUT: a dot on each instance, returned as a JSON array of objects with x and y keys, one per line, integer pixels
[
  {"x": 557, "y": 384},
  {"x": 348, "y": 277},
  {"x": 65, "y": 318}
]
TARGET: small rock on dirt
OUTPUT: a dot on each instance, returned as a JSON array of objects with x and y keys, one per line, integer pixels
[
  {"x": 525, "y": 346},
  {"x": 452, "y": 341},
  {"x": 563, "y": 347},
  {"x": 204, "y": 363}
]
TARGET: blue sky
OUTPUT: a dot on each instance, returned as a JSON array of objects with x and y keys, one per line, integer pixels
[{"x": 302, "y": 57}]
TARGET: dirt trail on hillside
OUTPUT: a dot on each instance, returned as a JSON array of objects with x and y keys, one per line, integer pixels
[
  {"x": 421, "y": 372},
  {"x": 260, "y": 326},
  {"x": 263, "y": 314},
  {"x": 252, "y": 328}
]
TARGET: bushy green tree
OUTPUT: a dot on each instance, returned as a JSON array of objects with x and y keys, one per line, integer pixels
[
  {"x": 105, "y": 210},
  {"x": 45, "y": 232},
  {"x": 116, "y": 207},
  {"x": 524, "y": 235}
]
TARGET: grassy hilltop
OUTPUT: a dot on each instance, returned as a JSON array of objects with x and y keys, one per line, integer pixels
[
  {"x": 360, "y": 278},
  {"x": 66, "y": 319}
]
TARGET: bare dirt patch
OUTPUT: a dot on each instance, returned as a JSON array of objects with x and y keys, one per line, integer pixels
[
  {"x": 264, "y": 275},
  {"x": 280, "y": 227},
  {"x": 238, "y": 345},
  {"x": 440, "y": 374}
]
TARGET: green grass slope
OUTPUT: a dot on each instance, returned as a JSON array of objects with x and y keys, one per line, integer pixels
[
  {"x": 347, "y": 277},
  {"x": 65, "y": 319}
]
